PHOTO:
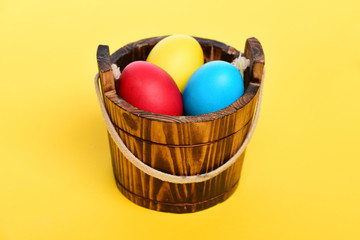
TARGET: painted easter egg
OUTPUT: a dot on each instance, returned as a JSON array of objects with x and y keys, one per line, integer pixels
[
  {"x": 179, "y": 55},
  {"x": 214, "y": 86},
  {"x": 150, "y": 88}
]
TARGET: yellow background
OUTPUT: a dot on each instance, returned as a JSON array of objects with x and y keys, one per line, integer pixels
[{"x": 301, "y": 174}]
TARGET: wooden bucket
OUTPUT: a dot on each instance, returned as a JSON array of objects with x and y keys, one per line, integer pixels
[{"x": 187, "y": 146}]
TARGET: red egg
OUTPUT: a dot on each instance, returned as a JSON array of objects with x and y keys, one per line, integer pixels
[{"x": 150, "y": 88}]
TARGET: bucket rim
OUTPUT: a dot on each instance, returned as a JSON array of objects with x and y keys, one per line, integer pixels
[{"x": 253, "y": 51}]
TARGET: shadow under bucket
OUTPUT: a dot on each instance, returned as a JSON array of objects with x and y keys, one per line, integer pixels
[{"x": 178, "y": 164}]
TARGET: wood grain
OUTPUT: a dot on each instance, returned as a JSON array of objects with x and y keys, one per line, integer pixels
[
  {"x": 155, "y": 194},
  {"x": 181, "y": 145},
  {"x": 105, "y": 71},
  {"x": 185, "y": 160}
]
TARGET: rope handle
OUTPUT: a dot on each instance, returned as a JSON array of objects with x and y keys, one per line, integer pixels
[{"x": 166, "y": 176}]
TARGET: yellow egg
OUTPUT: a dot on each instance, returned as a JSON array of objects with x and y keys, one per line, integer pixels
[{"x": 179, "y": 55}]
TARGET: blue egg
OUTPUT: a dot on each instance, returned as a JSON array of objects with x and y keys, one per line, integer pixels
[{"x": 213, "y": 86}]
